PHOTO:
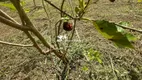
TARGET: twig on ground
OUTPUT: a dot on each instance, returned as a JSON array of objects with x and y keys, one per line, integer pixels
[{"x": 14, "y": 44}]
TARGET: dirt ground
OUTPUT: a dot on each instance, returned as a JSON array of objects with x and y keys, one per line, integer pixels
[{"x": 22, "y": 63}]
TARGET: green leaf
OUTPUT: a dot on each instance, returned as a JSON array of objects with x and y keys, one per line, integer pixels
[
  {"x": 120, "y": 29},
  {"x": 77, "y": 10},
  {"x": 114, "y": 33},
  {"x": 93, "y": 55},
  {"x": 126, "y": 24},
  {"x": 85, "y": 68},
  {"x": 82, "y": 4},
  {"x": 121, "y": 41},
  {"x": 105, "y": 28},
  {"x": 99, "y": 60},
  {"x": 22, "y": 3},
  {"x": 27, "y": 10},
  {"x": 131, "y": 37}
]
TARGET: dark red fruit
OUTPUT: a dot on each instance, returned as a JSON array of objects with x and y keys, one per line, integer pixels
[
  {"x": 67, "y": 26},
  {"x": 111, "y": 0}
]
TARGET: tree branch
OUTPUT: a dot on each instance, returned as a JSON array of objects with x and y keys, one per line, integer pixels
[
  {"x": 87, "y": 4},
  {"x": 140, "y": 31},
  {"x": 58, "y": 9},
  {"x": 12, "y": 24},
  {"x": 26, "y": 20},
  {"x": 3, "y": 14},
  {"x": 34, "y": 42}
]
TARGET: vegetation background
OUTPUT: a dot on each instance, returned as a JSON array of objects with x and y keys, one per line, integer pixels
[{"x": 22, "y": 63}]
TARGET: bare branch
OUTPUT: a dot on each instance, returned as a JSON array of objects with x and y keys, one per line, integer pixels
[
  {"x": 3, "y": 14},
  {"x": 12, "y": 24},
  {"x": 26, "y": 21},
  {"x": 140, "y": 31},
  {"x": 58, "y": 9},
  {"x": 34, "y": 42},
  {"x": 72, "y": 34},
  {"x": 14, "y": 44},
  {"x": 87, "y": 4}
]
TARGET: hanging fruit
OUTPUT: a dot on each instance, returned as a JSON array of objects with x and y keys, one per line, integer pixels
[
  {"x": 67, "y": 26},
  {"x": 111, "y": 0}
]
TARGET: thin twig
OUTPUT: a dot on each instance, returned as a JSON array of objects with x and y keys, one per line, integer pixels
[
  {"x": 58, "y": 27},
  {"x": 49, "y": 20},
  {"x": 65, "y": 72},
  {"x": 14, "y": 44},
  {"x": 26, "y": 22},
  {"x": 87, "y": 4},
  {"x": 56, "y": 32},
  {"x": 58, "y": 9},
  {"x": 72, "y": 34},
  {"x": 140, "y": 31},
  {"x": 34, "y": 42},
  {"x": 61, "y": 14},
  {"x": 44, "y": 7},
  {"x": 12, "y": 24},
  {"x": 34, "y": 3},
  {"x": 71, "y": 6},
  {"x": 25, "y": 18},
  {"x": 3, "y": 14}
]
